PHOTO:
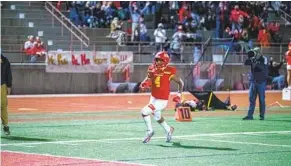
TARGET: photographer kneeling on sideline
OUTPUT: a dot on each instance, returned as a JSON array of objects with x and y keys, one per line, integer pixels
[{"x": 259, "y": 75}]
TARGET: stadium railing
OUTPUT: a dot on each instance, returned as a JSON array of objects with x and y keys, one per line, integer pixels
[
  {"x": 67, "y": 24},
  {"x": 286, "y": 17},
  {"x": 146, "y": 49}
]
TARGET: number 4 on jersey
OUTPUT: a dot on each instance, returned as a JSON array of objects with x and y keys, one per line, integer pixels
[{"x": 158, "y": 81}]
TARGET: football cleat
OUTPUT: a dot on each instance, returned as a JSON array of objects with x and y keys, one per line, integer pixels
[
  {"x": 169, "y": 134},
  {"x": 6, "y": 130},
  {"x": 148, "y": 137}
]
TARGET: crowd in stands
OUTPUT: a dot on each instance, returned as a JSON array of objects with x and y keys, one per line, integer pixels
[
  {"x": 241, "y": 20},
  {"x": 34, "y": 47},
  {"x": 245, "y": 22},
  {"x": 99, "y": 14}
]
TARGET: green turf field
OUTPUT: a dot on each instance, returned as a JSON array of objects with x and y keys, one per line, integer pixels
[{"x": 212, "y": 140}]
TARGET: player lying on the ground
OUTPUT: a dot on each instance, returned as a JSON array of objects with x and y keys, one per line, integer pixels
[
  {"x": 200, "y": 105},
  {"x": 160, "y": 74},
  {"x": 193, "y": 104}
]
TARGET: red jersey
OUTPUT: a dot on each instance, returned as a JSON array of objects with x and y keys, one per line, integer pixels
[
  {"x": 160, "y": 81},
  {"x": 288, "y": 57}
]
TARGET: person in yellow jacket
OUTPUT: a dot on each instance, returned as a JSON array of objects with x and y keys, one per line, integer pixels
[{"x": 6, "y": 83}]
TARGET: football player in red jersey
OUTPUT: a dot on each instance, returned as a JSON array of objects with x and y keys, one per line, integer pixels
[{"x": 160, "y": 74}]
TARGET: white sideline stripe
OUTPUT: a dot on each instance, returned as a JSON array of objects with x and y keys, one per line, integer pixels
[
  {"x": 64, "y": 143},
  {"x": 78, "y": 158},
  {"x": 253, "y": 134},
  {"x": 236, "y": 142},
  {"x": 121, "y": 94},
  {"x": 138, "y": 138},
  {"x": 27, "y": 146}
]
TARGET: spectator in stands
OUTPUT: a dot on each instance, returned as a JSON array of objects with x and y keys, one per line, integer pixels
[
  {"x": 116, "y": 31},
  {"x": 264, "y": 38},
  {"x": 37, "y": 50},
  {"x": 237, "y": 17},
  {"x": 275, "y": 5},
  {"x": 135, "y": 15},
  {"x": 244, "y": 41},
  {"x": 174, "y": 5},
  {"x": 110, "y": 12},
  {"x": 254, "y": 25},
  {"x": 136, "y": 33},
  {"x": 160, "y": 37},
  {"x": 88, "y": 15},
  {"x": 184, "y": 13},
  {"x": 74, "y": 14},
  {"x": 176, "y": 44},
  {"x": 173, "y": 23},
  {"x": 221, "y": 19},
  {"x": 151, "y": 9},
  {"x": 227, "y": 33},
  {"x": 59, "y": 5},
  {"x": 143, "y": 31},
  {"x": 122, "y": 13},
  {"x": 274, "y": 74},
  {"x": 264, "y": 15},
  {"x": 121, "y": 39},
  {"x": 28, "y": 45},
  {"x": 274, "y": 29},
  {"x": 115, "y": 24},
  {"x": 195, "y": 23},
  {"x": 99, "y": 15}
]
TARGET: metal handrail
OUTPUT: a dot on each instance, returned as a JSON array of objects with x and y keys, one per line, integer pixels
[
  {"x": 104, "y": 43},
  {"x": 82, "y": 37},
  {"x": 235, "y": 57},
  {"x": 285, "y": 15}
]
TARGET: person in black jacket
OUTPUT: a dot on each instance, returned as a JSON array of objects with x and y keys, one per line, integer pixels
[
  {"x": 274, "y": 73},
  {"x": 258, "y": 79},
  {"x": 6, "y": 83}
]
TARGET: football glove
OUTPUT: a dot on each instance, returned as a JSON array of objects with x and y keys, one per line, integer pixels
[
  {"x": 178, "y": 98},
  {"x": 144, "y": 85}
]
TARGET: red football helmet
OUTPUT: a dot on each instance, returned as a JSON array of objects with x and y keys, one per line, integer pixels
[{"x": 161, "y": 60}]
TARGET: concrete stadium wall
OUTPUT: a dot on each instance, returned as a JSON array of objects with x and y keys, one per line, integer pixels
[{"x": 33, "y": 79}]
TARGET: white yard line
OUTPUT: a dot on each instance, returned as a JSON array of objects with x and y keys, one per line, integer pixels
[
  {"x": 71, "y": 144},
  {"x": 139, "y": 138},
  {"x": 235, "y": 142},
  {"x": 26, "y": 146},
  {"x": 119, "y": 94},
  {"x": 255, "y": 134},
  {"x": 78, "y": 158}
]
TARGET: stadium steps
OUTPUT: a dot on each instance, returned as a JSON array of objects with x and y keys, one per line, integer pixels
[
  {"x": 8, "y": 21},
  {"x": 14, "y": 30},
  {"x": 28, "y": 13},
  {"x": 286, "y": 33}
]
